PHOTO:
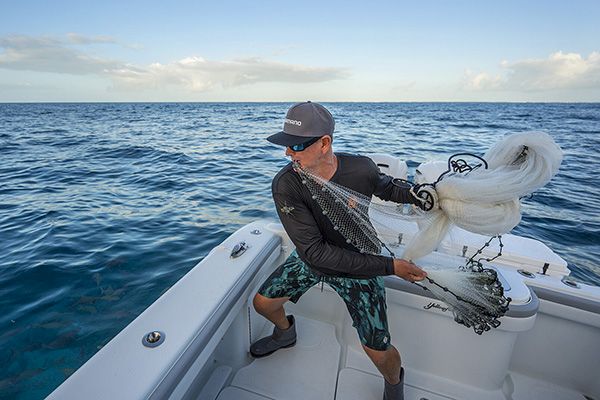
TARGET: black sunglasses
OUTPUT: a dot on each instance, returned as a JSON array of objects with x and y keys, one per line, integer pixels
[{"x": 304, "y": 146}]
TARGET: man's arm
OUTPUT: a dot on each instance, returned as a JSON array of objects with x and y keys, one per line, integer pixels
[
  {"x": 387, "y": 189},
  {"x": 400, "y": 192},
  {"x": 302, "y": 228}
]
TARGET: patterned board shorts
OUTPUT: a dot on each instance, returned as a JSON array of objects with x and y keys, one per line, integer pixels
[{"x": 364, "y": 298}]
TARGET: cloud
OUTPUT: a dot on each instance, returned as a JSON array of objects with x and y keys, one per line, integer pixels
[
  {"x": 482, "y": 81},
  {"x": 17, "y": 86},
  {"x": 198, "y": 74},
  {"x": 80, "y": 39},
  {"x": 45, "y": 54},
  {"x": 195, "y": 74},
  {"x": 557, "y": 72}
]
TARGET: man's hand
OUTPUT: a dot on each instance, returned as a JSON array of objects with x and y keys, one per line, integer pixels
[
  {"x": 408, "y": 271},
  {"x": 426, "y": 196}
]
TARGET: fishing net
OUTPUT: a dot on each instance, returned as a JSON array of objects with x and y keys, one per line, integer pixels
[
  {"x": 485, "y": 199},
  {"x": 481, "y": 198}
]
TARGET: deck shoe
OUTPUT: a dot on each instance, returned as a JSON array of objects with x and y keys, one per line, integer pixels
[
  {"x": 394, "y": 392},
  {"x": 281, "y": 338}
]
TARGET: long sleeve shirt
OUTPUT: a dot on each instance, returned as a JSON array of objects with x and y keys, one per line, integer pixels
[{"x": 318, "y": 244}]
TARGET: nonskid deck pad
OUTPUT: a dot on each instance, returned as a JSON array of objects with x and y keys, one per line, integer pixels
[
  {"x": 358, "y": 385},
  {"x": 233, "y": 393},
  {"x": 307, "y": 371}
]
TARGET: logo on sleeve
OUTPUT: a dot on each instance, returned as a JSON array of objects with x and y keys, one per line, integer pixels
[{"x": 287, "y": 210}]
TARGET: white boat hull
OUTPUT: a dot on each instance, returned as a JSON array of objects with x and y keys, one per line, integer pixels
[{"x": 548, "y": 349}]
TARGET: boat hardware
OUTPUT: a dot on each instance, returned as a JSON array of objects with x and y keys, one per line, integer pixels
[
  {"x": 569, "y": 282},
  {"x": 153, "y": 339},
  {"x": 238, "y": 250},
  {"x": 545, "y": 268},
  {"x": 256, "y": 232},
  {"x": 526, "y": 274}
]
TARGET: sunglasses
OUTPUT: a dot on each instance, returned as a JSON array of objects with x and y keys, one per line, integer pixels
[{"x": 304, "y": 146}]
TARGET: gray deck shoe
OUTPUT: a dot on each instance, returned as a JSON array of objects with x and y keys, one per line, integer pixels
[
  {"x": 394, "y": 392},
  {"x": 281, "y": 338}
]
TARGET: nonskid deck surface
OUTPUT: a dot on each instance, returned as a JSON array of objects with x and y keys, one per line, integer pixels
[
  {"x": 306, "y": 371},
  {"x": 311, "y": 371}
]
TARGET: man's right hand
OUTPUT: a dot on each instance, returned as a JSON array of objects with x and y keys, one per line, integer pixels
[
  {"x": 425, "y": 196},
  {"x": 408, "y": 271}
]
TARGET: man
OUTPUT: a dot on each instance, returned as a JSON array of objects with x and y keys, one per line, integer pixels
[{"x": 322, "y": 254}]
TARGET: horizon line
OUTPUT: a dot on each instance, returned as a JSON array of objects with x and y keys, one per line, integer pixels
[{"x": 296, "y": 101}]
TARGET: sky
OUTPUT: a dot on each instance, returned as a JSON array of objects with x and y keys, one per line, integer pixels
[{"x": 230, "y": 51}]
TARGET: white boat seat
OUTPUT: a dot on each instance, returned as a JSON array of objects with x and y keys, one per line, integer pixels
[{"x": 390, "y": 165}]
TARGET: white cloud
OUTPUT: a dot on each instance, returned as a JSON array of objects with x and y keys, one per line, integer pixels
[
  {"x": 482, "y": 81},
  {"x": 560, "y": 71},
  {"x": 198, "y": 74},
  {"x": 80, "y": 39},
  {"x": 194, "y": 74},
  {"x": 45, "y": 54},
  {"x": 17, "y": 86}
]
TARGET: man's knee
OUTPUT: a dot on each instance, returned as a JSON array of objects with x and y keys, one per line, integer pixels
[
  {"x": 381, "y": 357},
  {"x": 264, "y": 304},
  {"x": 260, "y": 302}
]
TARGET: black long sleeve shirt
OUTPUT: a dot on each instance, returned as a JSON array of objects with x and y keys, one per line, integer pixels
[{"x": 320, "y": 246}]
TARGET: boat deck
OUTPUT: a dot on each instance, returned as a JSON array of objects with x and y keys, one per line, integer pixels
[{"x": 320, "y": 368}]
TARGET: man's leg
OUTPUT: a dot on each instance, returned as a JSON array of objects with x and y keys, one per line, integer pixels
[
  {"x": 288, "y": 282},
  {"x": 365, "y": 300},
  {"x": 387, "y": 362},
  {"x": 272, "y": 309},
  {"x": 284, "y": 333}
]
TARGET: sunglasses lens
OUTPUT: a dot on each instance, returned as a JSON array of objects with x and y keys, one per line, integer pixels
[{"x": 303, "y": 146}]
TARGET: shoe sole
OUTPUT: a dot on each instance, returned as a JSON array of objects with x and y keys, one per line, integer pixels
[{"x": 271, "y": 352}]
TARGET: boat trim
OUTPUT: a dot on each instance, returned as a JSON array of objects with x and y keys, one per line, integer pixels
[
  {"x": 168, "y": 384},
  {"x": 567, "y": 299}
]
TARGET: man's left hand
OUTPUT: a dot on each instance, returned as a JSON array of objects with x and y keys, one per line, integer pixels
[{"x": 408, "y": 271}]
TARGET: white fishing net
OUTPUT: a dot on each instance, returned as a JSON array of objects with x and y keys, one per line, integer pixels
[
  {"x": 482, "y": 199},
  {"x": 486, "y": 200}
]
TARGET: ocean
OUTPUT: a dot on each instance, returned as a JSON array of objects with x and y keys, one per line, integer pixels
[{"x": 104, "y": 206}]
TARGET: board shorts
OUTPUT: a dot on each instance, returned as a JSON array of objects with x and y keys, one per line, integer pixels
[{"x": 364, "y": 298}]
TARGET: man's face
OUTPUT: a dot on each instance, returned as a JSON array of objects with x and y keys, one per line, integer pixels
[{"x": 312, "y": 156}]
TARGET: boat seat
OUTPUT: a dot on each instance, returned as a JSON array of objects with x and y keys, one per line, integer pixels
[{"x": 390, "y": 165}]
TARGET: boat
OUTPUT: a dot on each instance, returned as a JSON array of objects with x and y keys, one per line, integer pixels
[{"x": 193, "y": 342}]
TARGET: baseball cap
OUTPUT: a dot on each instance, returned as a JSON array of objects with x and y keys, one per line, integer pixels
[{"x": 302, "y": 122}]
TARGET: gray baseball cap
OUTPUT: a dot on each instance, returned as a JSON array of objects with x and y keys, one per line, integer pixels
[{"x": 303, "y": 122}]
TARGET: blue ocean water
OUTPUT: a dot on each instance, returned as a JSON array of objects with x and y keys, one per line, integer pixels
[{"x": 104, "y": 206}]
